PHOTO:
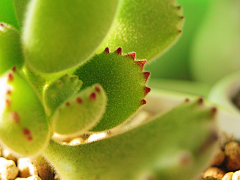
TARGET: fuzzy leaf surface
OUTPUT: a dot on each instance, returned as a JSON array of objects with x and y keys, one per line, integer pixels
[
  {"x": 60, "y": 90},
  {"x": 147, "y": 27},
  {"x": 7, "y": 13},
  {"x": 122, "y": 79},
  {"x": 20, "y": 9},
  {"x": 80, "y": 112},
  {"x": 145, "y": 152},
  {"x": 10, "y": 48},
  {"x": 58, "y": 35},
  {"x": 23, "y": 127}
]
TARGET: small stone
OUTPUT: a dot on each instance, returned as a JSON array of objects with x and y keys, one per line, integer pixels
[
  {"x": 210, "y": 178},
  {"x": 8, "y": 155},
  {"x": 214, "y": 172},
  {"x": 8, "y": 169},
  {"x": 219, "y": 158},
  {"x": 236, "y": 175},
  {"x": 76, "y": 141},
  {"x": 224, "y": 138},
  {"x": 232, "y": 151},
  {"x": 35, "y": 177},
  {"x": 26, "y": 168},
  {"x": 228, "y": 176}
]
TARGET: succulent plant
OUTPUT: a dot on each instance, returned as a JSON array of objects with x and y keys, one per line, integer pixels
[{"x": 71, "y": 67}]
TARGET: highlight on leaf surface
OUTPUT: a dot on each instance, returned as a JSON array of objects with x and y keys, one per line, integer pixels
[
  {"x": 147, "y": 27},
  {"x": 10, "y": 48},
  {"x": 145, "y": 152},
  {"x": 122, "y": 78},
  {"x": 80, "y": 112},
  {"x": 23, "y": 127},
  {"x": 58, "y": 35},
  {"x": 60, "y": 90}
]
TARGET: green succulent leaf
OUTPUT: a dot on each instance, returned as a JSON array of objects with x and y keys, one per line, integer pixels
[
  {"x": 39, "y": 81},
  {"x": 122, "y": 79},
  {"x": 23, "y": 126},
  {"x": 58, "y": 35},
  {"x": 7, "y": 13},
  {"x": 20, "y": 9},
  {"x": 60, "y": 90},
  {"x": 147, "y": 27},
  {"x": 175, "y": 145},
  {"x": 10, "y": 48},
  {"x": 80, "y": 112}
]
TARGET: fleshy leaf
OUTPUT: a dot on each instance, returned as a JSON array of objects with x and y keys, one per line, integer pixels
[
  {"x": 20, "y": 8},
  {"x": 58, "y": 35},
  {"x": 7, "y": 13},
  {"x": 147, "y": 27},
  {"x": 80, "y": 112},
  {"x": 39, "y": 80},
  {"x": 122, "y": 79},
  {"x": 145, "y": 152},
  {"x": 10, "y": 48},
  {"x": 23, "y": 126},
  {"x": 60, "y": 90}
]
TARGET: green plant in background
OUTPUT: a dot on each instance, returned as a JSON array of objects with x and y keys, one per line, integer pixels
[
  {"x": 207, "y": 50},
  {"x": 62, "y": 71}
]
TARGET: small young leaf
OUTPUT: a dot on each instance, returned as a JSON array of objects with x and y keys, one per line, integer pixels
[
  {"x": 175, "y": 145},
  {"x": 80, "y": 112},
  {"x": 60, "y": 90},
  {"x": 10, "y": 48},
  {"x": 23, "y": 126},
  {"x": 58, "y": 35},
  {"x": 122, "y": 79},
  {"x": 147, "y": 27}
]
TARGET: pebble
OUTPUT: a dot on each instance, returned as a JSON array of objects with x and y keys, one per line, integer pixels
[
  {"x": 219, "y": 158},
  {"x": 35, "y": 177},
  {"x": 8, "y": 169},
  {"x": 26, "y": 168},
  {"x": 232, "y": 151},
  {"x": 228, "y": 176},
  {"x": 214, "y": 172},
  {"x": 76, "y": 141},
  {"x": 236, "y": 176},
  {"x": 8, "y": 155}
]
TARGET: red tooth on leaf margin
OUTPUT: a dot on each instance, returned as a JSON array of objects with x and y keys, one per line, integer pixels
[
  {"x": 106, "y": 50},
  {"x": 143, "y": 102},
  {"x": 141, "y": 63},
  {"x": 15, "y": 117},
  {"x": 146, "y": 90},
  {"x": 118, "y": 51},
  {"x": 131, "y": 55},
  {"x": 146, "y": 75}
]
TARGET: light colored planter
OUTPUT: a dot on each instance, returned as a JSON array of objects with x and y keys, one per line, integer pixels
[{"x": 221, "y": 94}]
